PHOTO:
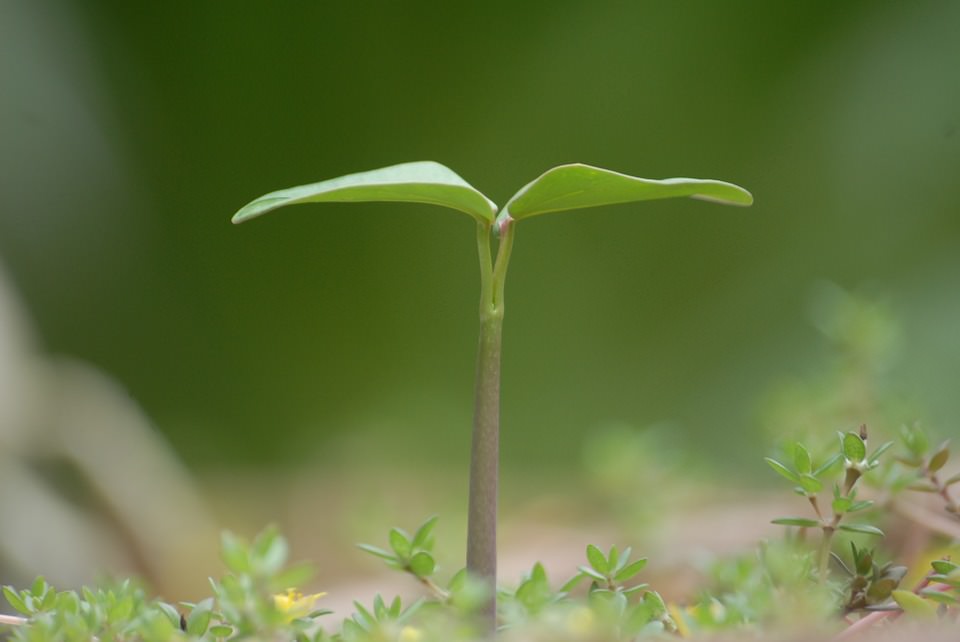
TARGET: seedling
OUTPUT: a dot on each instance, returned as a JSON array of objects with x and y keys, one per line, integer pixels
[{"x": 566, "y": 187}]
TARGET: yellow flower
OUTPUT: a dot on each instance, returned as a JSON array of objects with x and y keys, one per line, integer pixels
[
  {"x": 410, "y": 634},
  {"x": 580, "y": 620},
  {"x": 295, "y": 604}
]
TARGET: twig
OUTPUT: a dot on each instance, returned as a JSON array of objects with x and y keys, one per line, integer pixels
[
  {"x": 12, "y": 620},
  {"x": 865, "y": 622}
]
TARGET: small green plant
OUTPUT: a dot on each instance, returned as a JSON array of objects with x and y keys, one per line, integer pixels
[
  {"x": 810, "y": 482},
  {"x": 566, "y": 187},
  {"x": 256, "y": 599}
]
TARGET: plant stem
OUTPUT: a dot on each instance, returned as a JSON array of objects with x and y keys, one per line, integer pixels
[
  {"x": 12, "y": 620},
  {"x": 823, "y": 555},
  {"x": 484, "y": 454}
]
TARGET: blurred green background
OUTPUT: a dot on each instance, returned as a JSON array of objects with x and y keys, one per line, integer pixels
[
  {"x": 340, "y": 335},
  {"x": 131, "y": 132}
]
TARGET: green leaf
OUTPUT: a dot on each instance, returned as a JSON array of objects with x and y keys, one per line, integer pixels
[
  {"x": 613, "y": 557},
  {"x": 270, "y": 551},
  {"x": 803, "y": 522},
  {"x": 379, "y": 608},
  {"x": 879, "y": 451},
  {"x": 418, "y": 182},
  {"x": 915, "y": 439},
  {"x": 363, "y": 617},
  {"x": 199, "y": 618},
  {"x": 853, "y": 447},
  {"x": 953, "y": 480},
  {"x": 938, "y": 596},
  {"x": 422, "y": 564},
  {"x": 881, "y": 589},
  {"x": 221, "y": 631},
  {"x": 944, "y": 567},
  {"x": 842, "y": 504},
  {"x": 422, "y": 536},
  {"x": 379, "y": 552},
  {"x": 597, "y": 559},
  {"x": 234, "y": 553},
  {"x": 860, "y": 505},
  {"x": 577, "y": 186},
  {"x": 827, "y": 465},
  {"x": 400, "y": 542},
  {"x": 39, "y": 587},
  {"x": 572, "y": 582},
  {"x": 630, "y": 570},
  {"x": 173, "y": 615},
  {"x": 939, "y": 458},
  {"x": 801, "y": 459},
  {"x": 634, "y": 589},
  {"x": 783, "y": 470},
  {"x": 810, "y": 484},
  {"x": 915, "y": 605},
  {"x": 866, "y": 529},
  {"x": 14, "y": 599},
  {"x": 396, "y": 607},
  {"x": 653, "y": 600},
  {"x": 588, "y": 570},
  {"x": 293, "y": 577}
]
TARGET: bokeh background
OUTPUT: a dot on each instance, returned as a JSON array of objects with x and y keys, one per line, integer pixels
[{"x": 167, "y": 374}]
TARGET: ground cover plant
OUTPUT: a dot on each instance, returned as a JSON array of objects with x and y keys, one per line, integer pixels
[{"x": 806, "y": 581}]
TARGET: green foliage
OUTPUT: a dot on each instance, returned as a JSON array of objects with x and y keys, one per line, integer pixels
[
  {"x": 245, "y": 604},
  {"x": 413, "y": 554},
  {"x": 574, "y": 186},
  {"x": 870, "y": 584}
]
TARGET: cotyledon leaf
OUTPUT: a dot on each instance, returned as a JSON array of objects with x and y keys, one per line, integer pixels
[
  {"x": 576, "y": 186},
  {"x": 417, "y": 182}
]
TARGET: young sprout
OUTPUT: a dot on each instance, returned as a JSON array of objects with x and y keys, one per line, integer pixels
[{"x": 567, "y": 187}]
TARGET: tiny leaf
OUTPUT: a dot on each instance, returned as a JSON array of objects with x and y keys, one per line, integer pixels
[
  {"x": 842, "y": 504},
  {"x": 422, "y": 536},
  {"x": 801, "y": 459},
  {"x": 14, "y": 599},
  {"x": 199, "y": 618},
  {"x": 234, "y": 553},
  {"x": 944, "y": 567},
  {"x": 853, "y": 447},
  {"x": 879, "y": 451},
  {"x": 630, "y": 570},
  {"x": 597, "y": 559},
  {"x": 783, "y": 470},
  {"x": 860, "y": 505},
  {"x": 866, "y": 529},
  {"x": 803, "y": 522},
  {"x": 379, "y": 552},
  {"x": 588, "y": 570},
  {"x": 939, "y": 458},
  {"x": 938, "y": 596},
  {"x": 810, "y": 484},
  {"x": 422, "y": 564},
  {"x": 827, "y": 465},
  {"x": 399, "y": 542},
  {"x": 914, "y": 605}
]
